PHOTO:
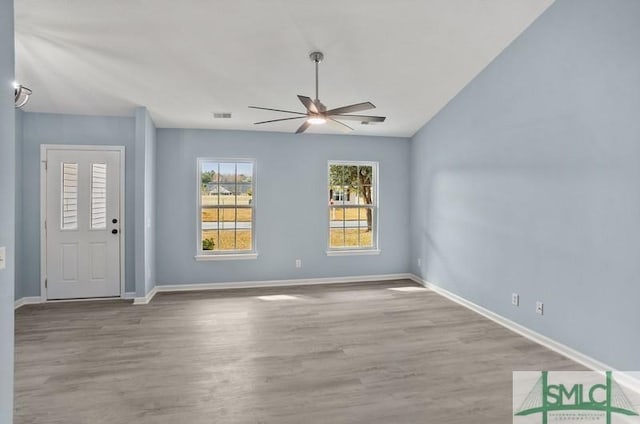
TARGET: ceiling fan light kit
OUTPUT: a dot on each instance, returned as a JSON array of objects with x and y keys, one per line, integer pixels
[
  {"x": 317, "y": 113},
  {"x": 317, "y": 120}
]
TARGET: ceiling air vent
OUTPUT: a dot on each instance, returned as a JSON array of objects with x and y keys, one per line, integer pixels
[{"x": 222, "y": 115}]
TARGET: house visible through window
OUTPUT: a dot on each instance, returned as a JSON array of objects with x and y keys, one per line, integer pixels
[
  {"x": 226, "y": 223},
  {"x": 352, "y": 206}
]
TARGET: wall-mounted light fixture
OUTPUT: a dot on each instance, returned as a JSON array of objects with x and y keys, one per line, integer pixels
[{"x": 22, "y": 94}]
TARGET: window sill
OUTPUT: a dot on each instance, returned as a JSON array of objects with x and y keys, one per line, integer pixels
[
  {"x": 353, "y": 252},
  {"x": 227, "y": 257}
]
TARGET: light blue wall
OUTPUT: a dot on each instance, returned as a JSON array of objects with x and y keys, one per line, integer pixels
[
  {"x": 145, "y": 221},
  {"x": 40, "y": 128},
  {"x": 150, "y": 203},
  {"x": 291, "y": 202},
  {"x": 7, "y": 208},
  {"x": 529, "y": 182},
  {"x": 18, "y": 209}
]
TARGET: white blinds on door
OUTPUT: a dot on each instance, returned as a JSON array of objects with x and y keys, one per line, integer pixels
[
  {"x": 69, "y": 196},
  {"x": 98, "y": 196}
]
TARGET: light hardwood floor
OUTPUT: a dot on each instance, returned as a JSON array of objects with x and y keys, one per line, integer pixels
[{"x": 356, "y": 353}]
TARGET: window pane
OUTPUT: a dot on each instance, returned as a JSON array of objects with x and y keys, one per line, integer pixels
[
  {"x": 336, "y": 184},
  {"x": 208, "y": 181},
  {"x": 245, "y": 172},
  {"x": 365, "y": 237},
  {"x": 227, "y": 240},
  {"x": 243, "y": 240},
  {"x": 209, "y": 240},
  {"x": 365, "y": 174},
  {"x": 244, "y": 194},
  {"x": 351, "y": 216},
  {"x": 228, "y": 217},
  {"x": 210, "y": 218},
  {"x": 336, "y": 237},
  {"x": 227, "y": 172},
  {"x": 336, "y": 215},
  {"x": 350, "y": 175},
  {"x": 366, "y": 218},
  {"x": 226, "y": 194},
  {"x": 98, "y": 196},
  {"x": 337, "y": 195},
  {"x": 351, "y": 237},
  {"x": 365, "y": 195},
  {"x": 69, "y": 202},
  {"x": 335, "y": 174},
  {"x": 244, "y": 217}
]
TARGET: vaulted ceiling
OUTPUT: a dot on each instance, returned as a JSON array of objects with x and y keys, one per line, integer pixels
[{"x": 185, "y": 59}]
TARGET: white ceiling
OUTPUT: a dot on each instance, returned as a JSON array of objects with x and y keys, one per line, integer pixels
[{"x": 185, "y": 59}]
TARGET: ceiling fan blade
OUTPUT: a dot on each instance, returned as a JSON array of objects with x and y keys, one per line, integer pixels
[
  {"x": 362, "y": 118},
  {"x": 308, "y": 103},
  {"x": 303, "y": 127},
  {"x": 344, "y": 126},
  {"x": 352, "y": 108},
  {"x": 276, "y": 110},
  {"x": 278, "y": 120}
]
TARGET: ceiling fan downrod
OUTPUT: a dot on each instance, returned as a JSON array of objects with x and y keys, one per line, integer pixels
[{"x": 316, "y": 57}]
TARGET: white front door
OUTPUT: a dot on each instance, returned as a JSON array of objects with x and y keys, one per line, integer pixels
[{"x": 82, "y": 223}]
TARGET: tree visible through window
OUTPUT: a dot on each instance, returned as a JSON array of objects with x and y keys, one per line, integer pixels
[
  {"x": 226, "y": 206},
  {"x": 352, "y": 205}
]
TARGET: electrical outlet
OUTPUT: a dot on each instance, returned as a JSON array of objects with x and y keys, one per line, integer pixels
[
  {"x": 419, "y": 262},
  {"x": 298, "y": 263},
  {"x": 515, "y": 299},
  {"x": 3, "y": 257},
  {"x": 539, "y": 308}
]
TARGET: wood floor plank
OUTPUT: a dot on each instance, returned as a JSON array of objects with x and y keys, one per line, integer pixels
[{"x": 352, "y": 353}]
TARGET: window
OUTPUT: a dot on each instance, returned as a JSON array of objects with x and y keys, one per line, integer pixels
[
  {"x": 353, "y": 207},
  {"x": 226, "y": 208},
  {"x": 98, "y": 196},
  {"x": 69, "y": 215}
]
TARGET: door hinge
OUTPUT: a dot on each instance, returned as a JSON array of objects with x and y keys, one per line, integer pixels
[
  {"x": 45, "y": 224},
  {"x": 46, "y": 283},
  {"x": 45, "y": 164}
]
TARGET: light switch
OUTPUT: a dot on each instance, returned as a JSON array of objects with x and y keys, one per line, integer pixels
[{"x": 3, "y": 257}]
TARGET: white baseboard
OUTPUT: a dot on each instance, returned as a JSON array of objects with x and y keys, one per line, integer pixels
[
  {"x": 621, "y": 377},
  {"x": 146, "y": 299},
  {"x": 30, "y": 300},
  {"x": 268, "y": 283},
  {"x": 281, "y": 283},
  {"x": 34, "y": 300}
]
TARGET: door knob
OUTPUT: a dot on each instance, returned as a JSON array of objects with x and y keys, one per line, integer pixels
[{"x": 114, "y": 231}]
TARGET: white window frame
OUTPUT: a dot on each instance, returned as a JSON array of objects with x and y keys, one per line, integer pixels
[
  {"x": 355, "y": 251},
  {"x": 217, "y": 255}
]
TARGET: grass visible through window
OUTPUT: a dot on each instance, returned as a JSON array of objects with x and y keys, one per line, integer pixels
[{"x": 226, "y": 206}]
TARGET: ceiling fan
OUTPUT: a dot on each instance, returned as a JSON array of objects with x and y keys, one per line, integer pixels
[{"x": 318, "y": 114}]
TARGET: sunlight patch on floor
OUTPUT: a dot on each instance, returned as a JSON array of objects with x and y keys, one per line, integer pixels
[
  {"x": 408, "y": 289},
  {"x": 274, "y": 297}
]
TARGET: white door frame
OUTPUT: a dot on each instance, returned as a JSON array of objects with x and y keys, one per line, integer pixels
[{"x": 44, "y": 148}]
